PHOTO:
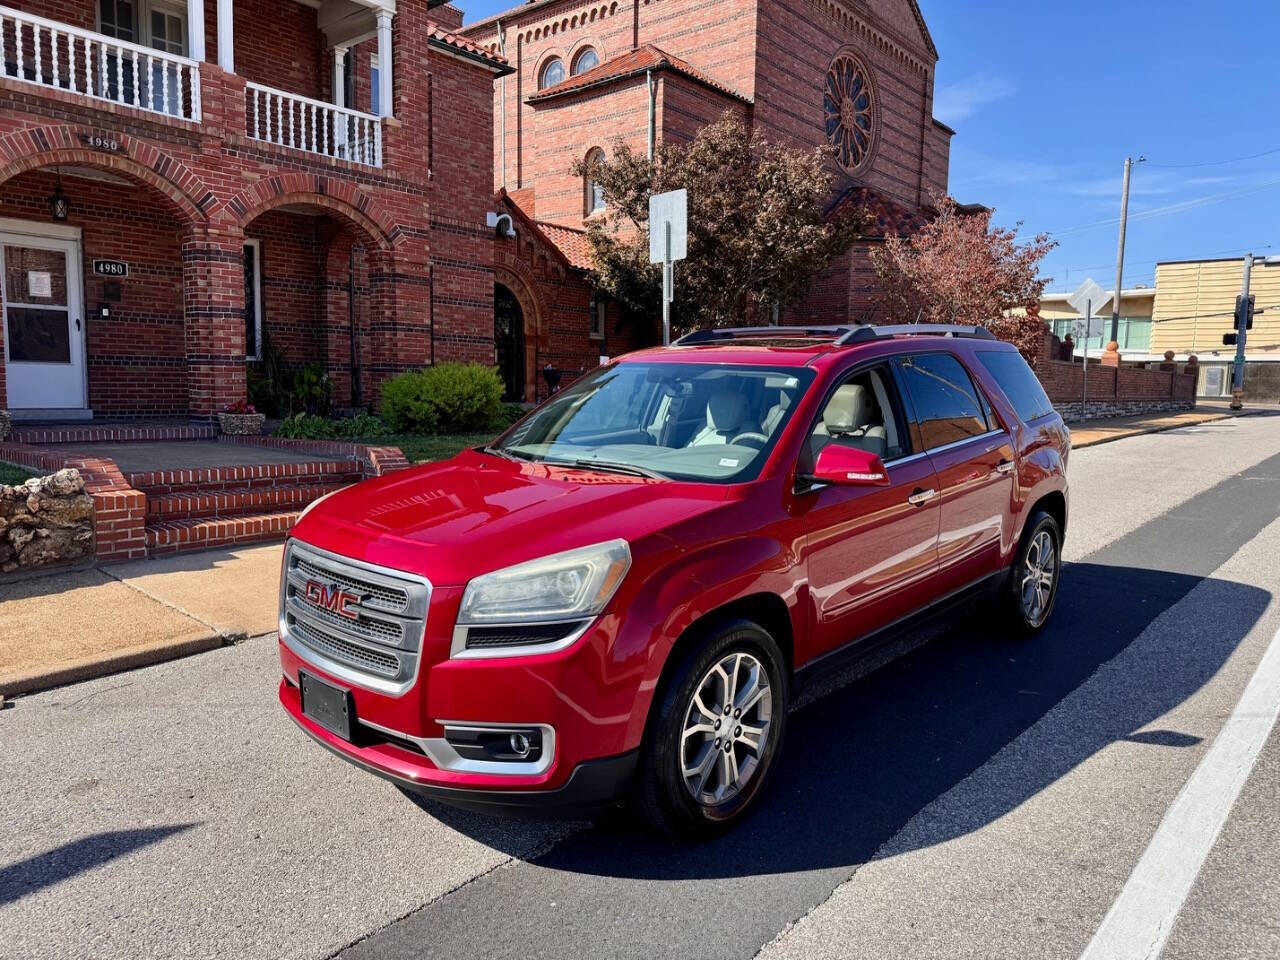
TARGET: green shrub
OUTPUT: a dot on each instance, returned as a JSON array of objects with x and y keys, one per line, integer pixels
[
  {"x": 446, "y": 398},
  {"x": 306, "y": 426}
]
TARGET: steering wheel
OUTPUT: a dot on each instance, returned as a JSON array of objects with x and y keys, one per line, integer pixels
[{"x": 752, "y": 439}]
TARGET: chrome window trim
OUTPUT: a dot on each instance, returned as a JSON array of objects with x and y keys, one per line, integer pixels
[
  {"x": 416, "y": 610},
  {"x": 458, "y": 649},
  {"x": 441, "y": 753},
  {"x": 974, "y": 439}
]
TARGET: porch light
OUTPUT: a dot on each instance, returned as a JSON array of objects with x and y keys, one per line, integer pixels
[{"x": 59, "y": 203}]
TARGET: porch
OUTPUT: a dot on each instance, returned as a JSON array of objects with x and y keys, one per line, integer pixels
[{"x": 329, "y": 96}]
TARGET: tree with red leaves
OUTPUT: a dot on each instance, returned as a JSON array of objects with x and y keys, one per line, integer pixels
[{"x": 961, "y": 269}]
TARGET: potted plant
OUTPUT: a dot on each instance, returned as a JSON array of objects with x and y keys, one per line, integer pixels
[{"x": 241, "y": 419}]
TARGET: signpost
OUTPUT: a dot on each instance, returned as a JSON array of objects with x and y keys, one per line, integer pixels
[
  {"x": 1086, "y": 296},
  {"x": 668, "y": 242}
]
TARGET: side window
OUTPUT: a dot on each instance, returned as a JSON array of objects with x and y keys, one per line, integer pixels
[
  {"x": 862, "y": 412},
  {"x": 1017, "y": 382},
  {"x": 945, "y": 399}
]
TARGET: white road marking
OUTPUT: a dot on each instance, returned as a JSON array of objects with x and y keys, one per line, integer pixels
[{"x": 1139, "y": 922}]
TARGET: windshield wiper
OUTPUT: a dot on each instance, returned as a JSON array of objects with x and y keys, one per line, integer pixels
[
  {"x": 506, "y": 454},
  {"x": 608, "y": 466}
]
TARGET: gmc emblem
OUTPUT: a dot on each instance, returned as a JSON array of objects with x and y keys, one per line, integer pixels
[{"x": 333, "y": 599}]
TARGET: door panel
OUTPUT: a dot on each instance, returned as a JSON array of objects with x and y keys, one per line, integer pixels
[
  {"x": 872, "y": 555},
  {"x": 44, "y": 335},
  {"x": 976, "y": 504}
]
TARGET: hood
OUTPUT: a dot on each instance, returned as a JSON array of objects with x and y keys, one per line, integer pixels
[{"x": 455, "y": 520}]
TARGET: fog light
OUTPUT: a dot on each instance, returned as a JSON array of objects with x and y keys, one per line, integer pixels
[{"x": 520, "y": 745}]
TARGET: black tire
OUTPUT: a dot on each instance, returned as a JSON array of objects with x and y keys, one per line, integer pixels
[
  {"x": 1024, "y": 619},
  {"x": 661, "y": 796}
]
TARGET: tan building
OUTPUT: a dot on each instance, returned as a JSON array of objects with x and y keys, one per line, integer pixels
[
  {"x": 1193, "y": 309},
  {"x": 1136, "y": 308}
]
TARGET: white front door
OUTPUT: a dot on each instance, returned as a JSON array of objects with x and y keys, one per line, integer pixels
[{"x": 43, "y": 322}]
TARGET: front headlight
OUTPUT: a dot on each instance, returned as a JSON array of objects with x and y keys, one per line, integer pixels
[{"x": 577, "y": 583}]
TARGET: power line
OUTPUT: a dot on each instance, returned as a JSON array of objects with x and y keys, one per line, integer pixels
[
  {"x": 1179, "y": 207},
  {"x": 1213, "y": 163},
  {"x": 1202, "y": 256}
]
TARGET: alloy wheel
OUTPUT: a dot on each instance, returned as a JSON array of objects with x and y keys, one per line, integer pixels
[
  {"x": 1039, "y": 577},
  {"x": 726, "y": 729}
]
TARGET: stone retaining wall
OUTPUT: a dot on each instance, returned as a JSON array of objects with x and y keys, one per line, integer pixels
[{"x": 45, "y": 521}]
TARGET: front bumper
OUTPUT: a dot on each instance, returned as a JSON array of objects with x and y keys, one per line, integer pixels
[{"x": 591, "y": 785}]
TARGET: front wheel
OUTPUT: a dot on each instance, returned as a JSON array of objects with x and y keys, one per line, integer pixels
[
  {"x": 715, "y": 734},
  {"x": 1033, "y": 585}
]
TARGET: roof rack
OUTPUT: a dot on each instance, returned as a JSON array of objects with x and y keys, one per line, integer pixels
[
  {"x": 783, "y": 332},
  {"x": 867, "y": 332},
  {"x": 840, "y": 335}
]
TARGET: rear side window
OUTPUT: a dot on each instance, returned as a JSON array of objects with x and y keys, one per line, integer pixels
[
  {"x": 1017, "y": 382},
  {"x": 945, "y": 400}
]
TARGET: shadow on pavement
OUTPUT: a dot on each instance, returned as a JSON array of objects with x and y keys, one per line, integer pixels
[
  {"x": 863, "y": 760},
  {"x": 45, "y": 869}
]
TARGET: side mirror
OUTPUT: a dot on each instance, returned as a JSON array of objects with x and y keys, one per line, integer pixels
[{"x": 849, "y": 467}]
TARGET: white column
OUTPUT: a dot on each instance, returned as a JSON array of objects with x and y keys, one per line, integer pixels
[
  {"x": 195, "y": 30},
  {"x": 339, "y": 77},
  {"x": 384, "y": 62},
  {"x": 226, "y": 37}
]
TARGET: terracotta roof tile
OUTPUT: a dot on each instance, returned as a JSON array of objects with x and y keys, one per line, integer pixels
[
  {"x": 572, "y": 243},
  {"x": 633, "y": 63},
  {"x": 468, "y": 47},
  {"x": 886, "y": 217}
]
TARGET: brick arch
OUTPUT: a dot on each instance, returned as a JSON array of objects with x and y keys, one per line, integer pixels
[
  {"x": 517, "y": 278},
  {"x": 339, "y": 197},
  {"x": 137, "y": 160}
]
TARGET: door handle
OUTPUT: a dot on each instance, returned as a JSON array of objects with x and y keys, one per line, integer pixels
[
  {"x": 920, "y": 497},
  {"x": 1005, "y": 467}
]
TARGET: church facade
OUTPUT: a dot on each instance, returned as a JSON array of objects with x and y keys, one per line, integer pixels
[{"x": 854, "y": 77}]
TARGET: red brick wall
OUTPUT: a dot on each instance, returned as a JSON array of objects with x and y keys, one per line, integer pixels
[{"x": 293, "y": 276}]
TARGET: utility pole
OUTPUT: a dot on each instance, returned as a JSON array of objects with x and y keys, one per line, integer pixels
[
  {"x": 1242, "y": 331},
  {"x": 1124, "y": 224}
]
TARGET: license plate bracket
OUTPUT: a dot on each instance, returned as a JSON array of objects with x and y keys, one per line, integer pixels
[{"x": 331, "y": 707}]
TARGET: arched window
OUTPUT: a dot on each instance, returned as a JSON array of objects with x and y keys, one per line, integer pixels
[
  {"x": 593, "y": 191},
  {"x": 587, "y": 59},
  {"x": 552, "y": 73}
]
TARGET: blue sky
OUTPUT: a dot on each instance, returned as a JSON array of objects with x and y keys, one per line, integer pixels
[{"x": 1048, "y": 99}]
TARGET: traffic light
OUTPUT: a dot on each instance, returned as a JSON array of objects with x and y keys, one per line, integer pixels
[{"x": 1244, "y": 312}]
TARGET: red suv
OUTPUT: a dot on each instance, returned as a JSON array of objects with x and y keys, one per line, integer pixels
[{"x": 618, "y": 598}]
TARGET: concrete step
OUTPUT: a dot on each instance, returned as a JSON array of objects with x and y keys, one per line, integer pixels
[
  {"x": 239, "y": 477},
  {"x": 234, "y": 501},
  {"x": 173, "y": 536}
]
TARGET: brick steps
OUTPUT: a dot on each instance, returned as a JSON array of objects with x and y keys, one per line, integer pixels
[
  {"x": 172, "y": 536},
  {"x": 119, "y": 433},
  {"x": 233, "y": 501},
  {"x": 195, "y": 509},
  {"x": 206, "y": 479}
]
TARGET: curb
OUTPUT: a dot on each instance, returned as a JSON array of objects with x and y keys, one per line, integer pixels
[
  {"x": 92, "y": 668},
  {"x": 1160, "y": 428}
]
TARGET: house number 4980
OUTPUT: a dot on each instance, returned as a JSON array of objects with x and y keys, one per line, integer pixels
[{"x": 99, "y": 142}]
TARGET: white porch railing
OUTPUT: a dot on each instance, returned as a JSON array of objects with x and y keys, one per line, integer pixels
[
  {"x": 290, "y": 120},
  {"x": 64, "y": 57}
]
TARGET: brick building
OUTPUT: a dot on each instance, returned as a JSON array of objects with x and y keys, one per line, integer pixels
[
  {"x": 182, "y": 180},
  {"x": 857, "y": 77}
]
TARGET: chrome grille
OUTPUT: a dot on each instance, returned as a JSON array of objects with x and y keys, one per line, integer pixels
[
  {"x": 378, "y": 644},
  {"x": 390, "y": 599}
]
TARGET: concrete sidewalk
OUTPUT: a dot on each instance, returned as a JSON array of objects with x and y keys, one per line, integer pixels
[
  {"x": 1090, "y": 433},
  {"x": 80, "y": 624}
]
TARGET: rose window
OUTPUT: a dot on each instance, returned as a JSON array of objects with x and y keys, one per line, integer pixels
[{"x": 847, "y": 108}]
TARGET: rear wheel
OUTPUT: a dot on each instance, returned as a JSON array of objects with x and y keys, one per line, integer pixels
[
  {"x": 1033, "y": 585},
  {"x": 715, "y": 734}
]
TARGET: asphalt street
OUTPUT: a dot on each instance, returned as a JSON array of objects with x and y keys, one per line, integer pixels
[{"x": 971, "y": 798}]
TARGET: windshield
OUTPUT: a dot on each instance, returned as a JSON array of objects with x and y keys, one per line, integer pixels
[{"x": 686, "y": 421}]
